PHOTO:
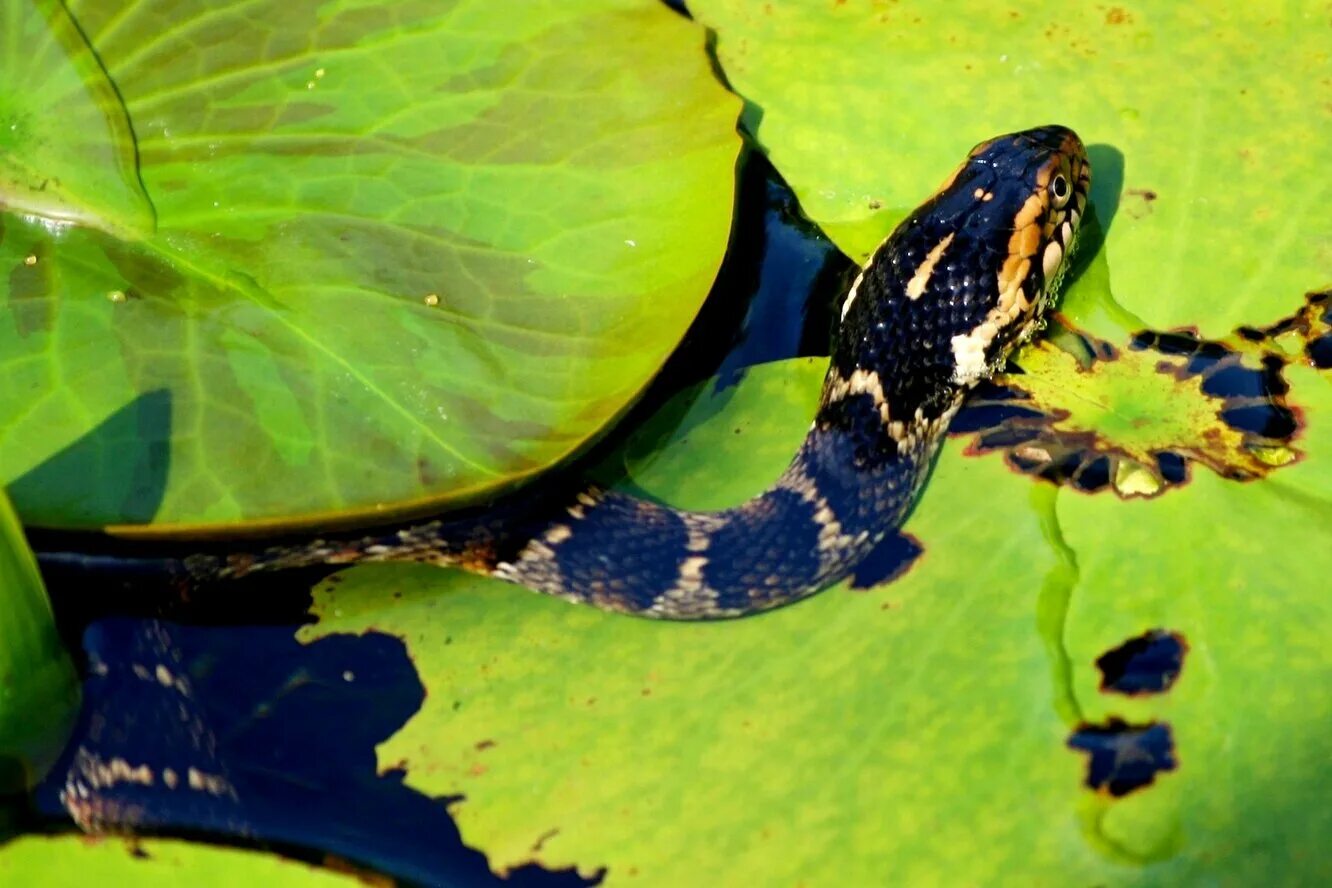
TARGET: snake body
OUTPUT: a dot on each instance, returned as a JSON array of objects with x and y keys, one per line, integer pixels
[{"x": 938, "y": 307}]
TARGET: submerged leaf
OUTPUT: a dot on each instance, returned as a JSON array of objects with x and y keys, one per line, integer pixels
[{"x": 67, "y": 154}]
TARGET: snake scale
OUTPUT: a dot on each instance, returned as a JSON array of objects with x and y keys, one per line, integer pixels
[{"x": 938, "y": 307}]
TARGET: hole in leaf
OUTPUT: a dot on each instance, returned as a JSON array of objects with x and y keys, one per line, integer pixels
[
  {"x": 1124, "y": 757},
  {"x": 1147, "y": 664},
  {"x": 887, "y": 561},
  {"x": 1320, "y": 351}
]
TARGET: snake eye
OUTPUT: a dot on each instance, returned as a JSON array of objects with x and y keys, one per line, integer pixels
[{"x": 1059, "y": 188}]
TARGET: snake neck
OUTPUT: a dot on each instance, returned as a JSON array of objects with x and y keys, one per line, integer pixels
[{"x": 849, "y": 485}]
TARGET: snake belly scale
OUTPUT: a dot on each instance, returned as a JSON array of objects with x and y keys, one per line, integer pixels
[{"x": 938, "y": 307}]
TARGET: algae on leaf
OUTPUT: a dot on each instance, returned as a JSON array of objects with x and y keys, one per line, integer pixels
[{"x": 403, "y": 257}]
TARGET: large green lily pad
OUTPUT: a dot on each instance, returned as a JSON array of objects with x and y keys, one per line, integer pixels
[
  {"x": 288, "y": 261},
  {"x": 1206, "y": 122}
]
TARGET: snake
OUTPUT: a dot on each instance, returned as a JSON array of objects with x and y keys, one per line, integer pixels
[{"x": 937, "y": 307}]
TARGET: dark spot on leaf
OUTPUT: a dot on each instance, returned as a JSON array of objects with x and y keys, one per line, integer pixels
[
  {"x": 1250, "y": 334},
  {"x": 1246, "y": 430},
  {"x": 1283, "y": 326},
  {"x": 425, "y": 472},
  {"x": 1312, "y": 321},
  {"x": 1140, "y": 203},
  {"x": 1177, "y": 343},
  {"x": 1124, "y": 757},
  {"x": 1093, "y": 476},
  {"x": 543, "y": 838},
  {"x": 1273, "y": 382},
  {"x": 1006, "y": 436},
  {"x": 1320, "y": 351},
  {"x": 1264, "y": 420},
  {"x": 887, "y": 561},
  {"x": 980, "y": 413},
  {"x": 1147, "y": 664},
  {"x": 1173, "y": 467}
]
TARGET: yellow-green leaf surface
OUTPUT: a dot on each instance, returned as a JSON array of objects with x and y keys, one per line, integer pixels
[
  {"x": 39, "y": 691},
  {"x": 401, "y": 255},
  {"x": 865, "y": 737},
  {"x": 69, "y": 861},
  {"x": 1207, "y": 124}
]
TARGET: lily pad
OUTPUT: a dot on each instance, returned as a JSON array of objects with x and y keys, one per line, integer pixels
[
  {"x": 350, "y": 261},
  {"x": 876, "y": 732},
  {"x": 39, "y": 692},
  {"x": 1206, "y": 127},
  {"x": 66, "y": 860}
]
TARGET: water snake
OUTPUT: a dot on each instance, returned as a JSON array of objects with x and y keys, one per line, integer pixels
[{"x": 938, "y": 307}]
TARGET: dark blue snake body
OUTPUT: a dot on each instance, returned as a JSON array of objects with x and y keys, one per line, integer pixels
[{"x": 938, "y": 307}]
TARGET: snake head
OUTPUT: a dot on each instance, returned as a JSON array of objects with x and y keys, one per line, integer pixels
[
  {"x": 967, "y": 275},
  {"x": 1038, "y": 182}
]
